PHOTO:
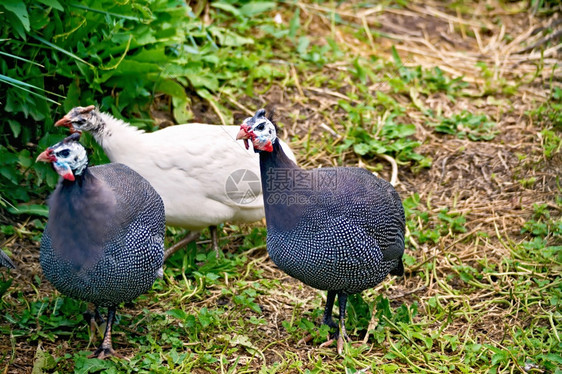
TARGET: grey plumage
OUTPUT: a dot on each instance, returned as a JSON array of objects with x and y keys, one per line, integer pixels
[
  {"x": 104, "y": 239},
  {"x": 346, "y": 238},
  {"x": 5, "y": 261},
  {"x": 335, "y": 229}
]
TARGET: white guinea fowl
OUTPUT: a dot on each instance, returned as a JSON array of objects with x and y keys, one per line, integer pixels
[{"x": 188, "y": 165}]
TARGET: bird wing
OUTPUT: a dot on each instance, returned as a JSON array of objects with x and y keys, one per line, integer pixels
[
  {"x": 195, "y": 163},
  {"x": 139, "y": 214},
  {"x": 373, "y": 205}
]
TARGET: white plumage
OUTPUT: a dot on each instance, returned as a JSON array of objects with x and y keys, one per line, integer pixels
[{"x": 188, "y": 165}]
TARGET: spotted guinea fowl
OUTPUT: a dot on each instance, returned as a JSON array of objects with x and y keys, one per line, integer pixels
[
  {"x": 336, "y": 229},
  {"x": 203, "y": 175},
  {"x": 104, "y": 239},
  {"x": 5, "y": 261}
]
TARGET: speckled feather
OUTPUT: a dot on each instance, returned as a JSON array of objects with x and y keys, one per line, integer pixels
[
  {"x": 104, "y": 241},
  {"x": 346, "y": 237},
  {"x": 5, "y": 261}
]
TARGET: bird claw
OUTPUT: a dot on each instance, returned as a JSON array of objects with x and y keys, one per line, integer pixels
[
  {"x": 340, "y": 345},
  {"x": 341, "y": 339},
  {"x": 305, "y": 340},
  {"x": 104, "y": 352},
  {"x": 327, "y": 343}
]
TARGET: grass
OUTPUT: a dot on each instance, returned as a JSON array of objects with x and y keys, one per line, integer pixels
[{"x": 478, "y": 165}]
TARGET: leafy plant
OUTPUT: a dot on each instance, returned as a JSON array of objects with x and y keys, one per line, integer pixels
[
  {"x": 474, "y": 126},
  {"x": 424, "y": 80},
  {"x": 391, "y": 138},
  {"x": 119, "y": 56}
]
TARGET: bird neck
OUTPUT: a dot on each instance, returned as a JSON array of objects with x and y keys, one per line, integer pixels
[
  {"x": 283, "y": 209},
  {"x": 79, "y": 179},
  {"x": 81, "y": 218},
  {"x": 112, "y": 133},
  {"x": 276, "y": 158}
]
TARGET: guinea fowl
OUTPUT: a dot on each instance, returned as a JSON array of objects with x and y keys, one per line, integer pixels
[
  {"x": 336, "y": 229},
  {"x": 5, "y": 261},
  {"x": 186, "y": 165},
  {"x": 104, "y": 239}
]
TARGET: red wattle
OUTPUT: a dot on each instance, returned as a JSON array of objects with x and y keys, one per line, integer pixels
[
  {"x": 268, "y": 147},
  {"x": 69, "y": 176}
]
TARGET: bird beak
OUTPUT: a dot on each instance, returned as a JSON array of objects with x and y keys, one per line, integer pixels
[
  {"x": 45, "y": 156},
  {"x": 64, "y": 121},
  {"x": 62, "y": 169},
  {"x": 244, "y": 134}
]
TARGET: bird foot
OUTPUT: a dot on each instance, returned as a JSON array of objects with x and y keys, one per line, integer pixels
[
  {"x": 339, "y": 345},
  {"x": 97, "y": 324},
  {"x": 327, "y": 343},
  {"x": 104, "y": 352},
  {"x": 305, "y": 340},
  {"x": 309, "y": 337},
  {"x": 341, "y": 339}
]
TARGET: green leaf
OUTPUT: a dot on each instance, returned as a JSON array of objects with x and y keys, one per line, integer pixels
[
  {"x": 53, "y": 4},
  {"x": 204, "y": 317},
  {"x": 17, "y": 7},
  {"x": 179, "y": 99},
  {"x": 361, "y": 148},
  {"x": 257, "y": 7},
  {"x": 229, "y": 38},
  {"x": 554, "y": 358},
  {"x": 396, "y": 57},
  {"x": 92, "y": 365},
  {"x": 227, "y": 8},
  {"x": 43, "y": 361},
  {"x": 31, "y": 209},
  {"x": 302, "y": 45},
  {"x": 294, "y": 24},
  {"x": 360, "y": 71},
  {"x": 15, "y": 126},
  {"x": 500, "y": 357},
  {"x": 177, "y": 313},
  {"x": 204, "y": 81},
  {"x": 62, "y": 50}
]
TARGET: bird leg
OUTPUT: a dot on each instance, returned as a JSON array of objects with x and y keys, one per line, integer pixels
[
  {"x": 105, "y": 349},
  {"x": 194, "y": 235},
  {"x": 215, "y": 240},
  {"x": 327, "y": 319},
  {"x": 342, "y": 333},
  {"x": 96, "y": 320}
]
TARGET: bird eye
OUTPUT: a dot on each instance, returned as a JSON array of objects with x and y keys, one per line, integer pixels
[
  {"x": 260, "y": 126},
  {"x": 63, "y": 153}
]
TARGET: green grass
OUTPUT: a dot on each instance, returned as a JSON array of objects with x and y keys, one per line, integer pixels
[{"x": 482, "y": 286}]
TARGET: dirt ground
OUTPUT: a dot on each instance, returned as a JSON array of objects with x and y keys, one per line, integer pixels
[{"x": 481, "y": 180}]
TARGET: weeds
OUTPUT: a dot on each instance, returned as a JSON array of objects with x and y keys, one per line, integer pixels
[
  {"x": 475, "y": 127},
  {"x": 482, "y": 288}
]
